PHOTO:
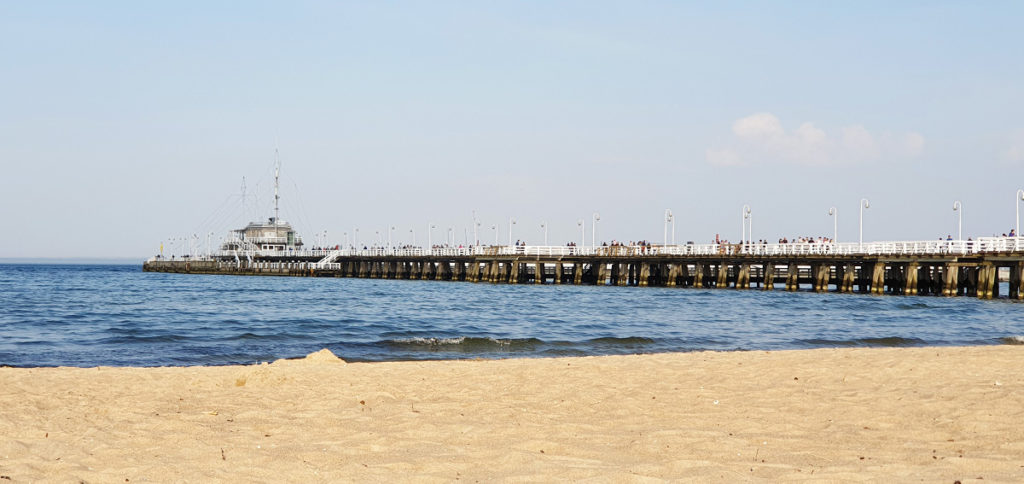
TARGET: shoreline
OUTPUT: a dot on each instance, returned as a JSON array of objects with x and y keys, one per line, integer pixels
[
  {"x": 932, "y": 413},
  {"x": 1016, "y": 340}
]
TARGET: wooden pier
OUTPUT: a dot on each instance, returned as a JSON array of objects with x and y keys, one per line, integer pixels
[{"x": 921, "y": 268}]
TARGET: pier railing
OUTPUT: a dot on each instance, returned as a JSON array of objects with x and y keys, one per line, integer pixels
[{"x": 983, "y": 245}]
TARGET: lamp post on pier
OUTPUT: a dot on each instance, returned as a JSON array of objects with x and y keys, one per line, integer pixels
[
  {"x": 583, "y": 236},
  {"x": 511, "y": 222},
  {"x": 959, "y": 209},
  {"x": 834, "y": 212},
  {"x": 355, "y": 237},
  {"x": 864, "y": 203},
  {"x": 413, "y": 232},
  {"x": 669, "y": 218},
  {"x": 1019, "y": 197},
  {"x": 593, "y": 230},
  {"x": 745, "y": 212},
  {"x": 495, "y": 227},
  {"x": 430, "y": 235},
  {"x": 544, "y": 225},
  {"x": 476, "y": 239}
]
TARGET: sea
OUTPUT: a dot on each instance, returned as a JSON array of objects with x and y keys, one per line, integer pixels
[{"x": 117, "y": 315}]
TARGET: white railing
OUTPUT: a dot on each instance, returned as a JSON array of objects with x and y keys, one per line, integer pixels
[{"x": 984, "y": 245}]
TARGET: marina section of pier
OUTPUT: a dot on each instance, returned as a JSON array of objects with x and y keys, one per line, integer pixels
[{"x": 972, "y": 268}]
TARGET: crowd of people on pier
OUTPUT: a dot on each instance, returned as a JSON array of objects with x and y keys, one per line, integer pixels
[
  {"x": 806, "y": 240},
  {"x": 642, "y": 244}
]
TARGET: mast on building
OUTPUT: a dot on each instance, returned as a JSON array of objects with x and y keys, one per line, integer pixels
[{"x": 277, "y": 172}]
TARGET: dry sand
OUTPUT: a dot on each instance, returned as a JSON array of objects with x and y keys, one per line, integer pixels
[{"x": 931, "y": 414}]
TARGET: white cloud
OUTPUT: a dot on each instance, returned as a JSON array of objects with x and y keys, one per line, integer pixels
[
  {"x": 859, "y": 142},
  {"x": 1015, "y": 152},
  {"x": 724, "y": 157},
  {"x": 758, "y": 125},
  {"x": 761, "y": 137},
  {"x": 913, "y": 144}
]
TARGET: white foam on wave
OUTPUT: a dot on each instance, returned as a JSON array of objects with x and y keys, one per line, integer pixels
[{"x": 431, "y": 341}]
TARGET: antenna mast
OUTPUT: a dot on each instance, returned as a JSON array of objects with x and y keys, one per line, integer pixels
[
  {"x": 277, "y": 171},
  {"x": 243, "y": 197}
]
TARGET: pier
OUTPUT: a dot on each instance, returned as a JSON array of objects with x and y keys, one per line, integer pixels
[{"x": 937, "y": 268}]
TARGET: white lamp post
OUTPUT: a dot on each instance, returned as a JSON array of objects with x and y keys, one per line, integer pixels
[
  {"x": 355, "y": 237},
  {"x": 834, "y": 212},
  {"x": 413, "y": 232},
  {"x": 544, "y": 226},
  {"x": 583, "y": 237},
  {"x": 511, "y": 222},
  {"x": 495, "y": 227},
  {"x": 593, "y": 230},
  {"x": 864, "y": 203},
  {"x": 1020, "y": 196},
  {"x": 745, "y": 212},
  {"x": 670, "y": 218},
  {"x": 476, "y": 239},
  {"x": 959, "y": 209}
]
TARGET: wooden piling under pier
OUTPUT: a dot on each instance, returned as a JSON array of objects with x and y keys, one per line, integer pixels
[{"x": 975, "y": 276}]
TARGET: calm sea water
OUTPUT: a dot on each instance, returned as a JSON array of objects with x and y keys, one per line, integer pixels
[{"x": 92, "y": 315}]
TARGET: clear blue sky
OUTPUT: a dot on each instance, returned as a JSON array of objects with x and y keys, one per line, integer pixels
[{"x": 124, "y": 124}]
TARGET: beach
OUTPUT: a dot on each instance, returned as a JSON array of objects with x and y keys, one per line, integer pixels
[{"x": 937, "y": 414}]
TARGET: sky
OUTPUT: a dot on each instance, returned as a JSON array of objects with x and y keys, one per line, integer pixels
[{"x": 124, "y": 125}]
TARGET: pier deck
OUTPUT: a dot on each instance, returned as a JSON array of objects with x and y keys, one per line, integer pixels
[{"x": 941, "y": 268}]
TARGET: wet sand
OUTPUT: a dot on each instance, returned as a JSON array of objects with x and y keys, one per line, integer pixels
[{"x": 893, "y": 414}]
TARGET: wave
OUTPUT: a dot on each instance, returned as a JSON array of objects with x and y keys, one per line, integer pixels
[
  {"x": 627, "y": 341},
  {"x": 1012, "y": 340},
  {"x": 893, "y": 341},
  {"x": 466, "y": 342},
  {"x": 475, "y": 343},
  {"x": 130, "y": 339},
  {"x": 258, "y": 337}
]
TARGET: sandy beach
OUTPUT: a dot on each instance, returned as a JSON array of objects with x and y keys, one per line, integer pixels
[{"x": 931, "y": 414}]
